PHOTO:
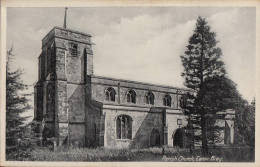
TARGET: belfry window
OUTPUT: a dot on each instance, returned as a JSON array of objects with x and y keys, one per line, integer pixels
[
  {"x": 110, "y": 94},
  {"x": 131, "y": 96},
  {"x": 124, "y": 127},
  {"x": 149, "y": 98},
  {"x": 167, "y": 100},
  {"x": 73, "y": 49}
]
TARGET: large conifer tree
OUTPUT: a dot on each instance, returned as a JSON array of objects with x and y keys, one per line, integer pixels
[
  {"x": 16, "y": 104},
  {"x": 204, "y": 73}
]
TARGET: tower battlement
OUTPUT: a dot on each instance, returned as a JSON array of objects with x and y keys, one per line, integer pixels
[{"x": 68, "y": 34}]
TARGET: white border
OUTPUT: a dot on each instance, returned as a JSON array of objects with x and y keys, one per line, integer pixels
[{"x": 82, "y": 3}]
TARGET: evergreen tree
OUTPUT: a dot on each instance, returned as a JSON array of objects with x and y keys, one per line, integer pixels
[
  {"x": 16, "y": 104},
  {"x": 205, "y": 74}
]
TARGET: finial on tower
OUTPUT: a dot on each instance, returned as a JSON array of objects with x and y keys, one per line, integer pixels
[{"x": 65, "y": 18}]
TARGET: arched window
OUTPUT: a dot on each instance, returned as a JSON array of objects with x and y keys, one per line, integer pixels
[
  {"x": 167, "y": 100},
  {"x": 131, "y": 96},
  {"x": 110, "y": 94},
  {"x": 149, "y": 98},
  {"x": 124, "y": 127}
]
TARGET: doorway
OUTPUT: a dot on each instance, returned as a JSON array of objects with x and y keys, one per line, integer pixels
[{"x": 178, "y": 138}]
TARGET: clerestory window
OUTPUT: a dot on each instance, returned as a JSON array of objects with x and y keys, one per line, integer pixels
[
  {"x": 131, "y": 96},
  {"x": 167, "y": 100},
  {"x": 110, "y": 94},
  {"x": 149, "y": 98}
]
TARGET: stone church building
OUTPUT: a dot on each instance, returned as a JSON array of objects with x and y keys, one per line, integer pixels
[{"x": 76, "y": 107}]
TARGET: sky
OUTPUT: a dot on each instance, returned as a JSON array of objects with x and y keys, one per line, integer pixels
[{"x": 139, "y": 43}]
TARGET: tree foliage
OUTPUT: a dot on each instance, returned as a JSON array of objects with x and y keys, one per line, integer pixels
[
  {"x": 245, "y": 123},
  {"x": 16, "y": 104},
  {"x": 204, "y": 73}
]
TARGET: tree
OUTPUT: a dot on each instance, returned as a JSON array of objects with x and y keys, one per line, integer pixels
[
  {"x": 16, "y": 104},
  {"x": 220, "y": 94},
  {"x": 205, "y": 75},
  {"x": 245, "y": 123}
]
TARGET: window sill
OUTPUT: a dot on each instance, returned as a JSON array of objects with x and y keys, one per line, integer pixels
[
  {"x": 110, "y": 101},
  {"x": 124, "y": 140}
]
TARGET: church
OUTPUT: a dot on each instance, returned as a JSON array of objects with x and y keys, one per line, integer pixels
[{"x": 76, "y": 107}]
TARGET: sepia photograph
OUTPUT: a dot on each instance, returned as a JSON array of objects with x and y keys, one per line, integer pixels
[{"x": 130, "y": 84}]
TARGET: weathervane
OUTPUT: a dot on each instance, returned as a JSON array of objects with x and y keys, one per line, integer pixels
[{"x": 65, "y": 18}]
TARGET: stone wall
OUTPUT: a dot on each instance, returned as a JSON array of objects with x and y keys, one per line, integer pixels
[
  {"x": 81, "y": 64},
  {"x": 41, "y": 67},
  {"x": 60, "y": 64},
  {"x": 145, "y": 116},
  {"x": 142, "y": 126},
  {"x": 145, "y": 120},
  {"x": 50, "y": 101},
  {"x": 76, "y": 113},
  {"x": 227, "y": 124},
  {"x": 93, "y": 124},
  {"x": 38, "y": 101},
  {"x": 171, "y": 121},
  {"x": 76, "y": 102},
  {"x": 77, "y": 134}
]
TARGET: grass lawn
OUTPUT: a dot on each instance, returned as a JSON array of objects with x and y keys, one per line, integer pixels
[{"x": 148, "y": 154}]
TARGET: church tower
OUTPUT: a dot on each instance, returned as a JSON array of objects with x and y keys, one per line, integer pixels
[{"x": 64, "y": 64}]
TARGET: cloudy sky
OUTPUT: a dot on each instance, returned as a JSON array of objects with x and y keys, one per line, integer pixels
[{"x": 139, "y": 43}]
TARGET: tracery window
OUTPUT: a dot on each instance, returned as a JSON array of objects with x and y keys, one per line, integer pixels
[
  {"x": 124, "y": 127},
  {"x": 149, "y": 98},
  {"x": 110, "y": 94},
  {"x": 131, "y": 96},
  {"x": 167, "y": 100}
]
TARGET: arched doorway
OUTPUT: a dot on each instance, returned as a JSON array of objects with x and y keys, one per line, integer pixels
[
  {"x": 178, "y": 138},
  {"x": 47, "y": 133},
  {"x": 155, "y": 138}
]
